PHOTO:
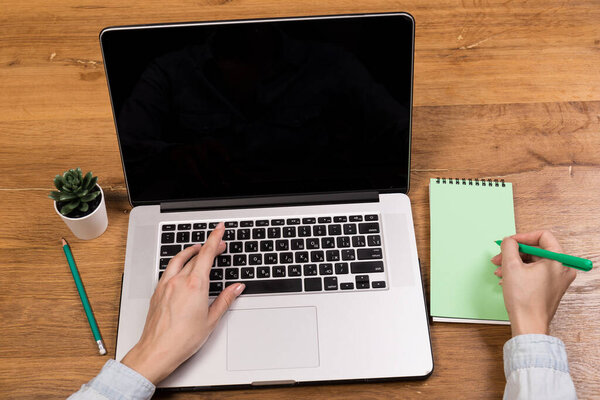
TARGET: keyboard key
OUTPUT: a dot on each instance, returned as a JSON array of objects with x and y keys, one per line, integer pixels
[
  {"x": 216, "y": 274},
  {"x": 286, "y": 258},
  {"x": 332, "y": 255},
  {"x": 294, "y": 270},
  {"x": 302, "y": 257},
  {"x": 368, "y": 227},
  {"x": 246, "y": 224},
  {"x": 369, "y": 254},
  {"x": 183, "y": 237},
  {"x": 274, "y": 233},
  {"x": 293, "y": 221},
  {"x": 198, "y": 236},
  {"x": 341, "y": 268},
  {"x": 327, "y": 243},
  {"x": 347, "y": 286},
  {"x": 229, "y": 234},
  {"x": 164, "y": 262},
  {"x": 304, "y": 231},
  {"x": 374, "y": 240},
  {"x": 289, "y": 231},
  {"x": 266, "y": 245},
  {"x": 343, "y": 241},
  {"x": 200, "y": 225},
  {"x": 232, "y": 273},
  {"x": 271, "y": 286},
  {"x": 326, "y": 269},
  {"x": 358, "y": 241},
  {"x": 335, "y": 230},
  {"x": 169, "y": 227},
  {"x": 160, "y": 274},
  {"x": 356, "y": 218},
  {"x": 212, "y": 225},
  {"x": 378, "y": 284},
  {"x": 313, "y": 284},
  {"x": 348, "y": 255},
  {"x": 262, "y": 222},
  {"x": 319, "y": 230},
  {"x": 340, "y": 219},
  {"x": 258, "y": 233},
  {"x": 263, "y": 272},
  {"x": 282, "y": 245},
  {"x": 277, "y": 222},
  {"x": 224, "y": 261},
  {"x": 255, "y": 259},
  {"x": 243, "y": 234},
  {"x": 371, "y": 217},
  {"x": 240, "y": 260},
  {"x": 167, "y": 237},
  {"x": 248, "y": 273},
  {"x": 365, "y": 267},
  {"x": 251, "y": 247},
  {"x": 297, "y": 244},
  {"x": 184, "y": 227},
  {"x": 324, "y": 220},
  {"x": 349, "y": 229},
  {"x": 362, "y": 281},
  {"x": 169, "y": 250},
  {"x": 231, "y": 224},
  {"x": 279, "y": 272},
  {"x": 215, "y": 288},
  {"x": 312, "y": 243},
  {"x": 310, "y": 269},
  {"x": 309, "y": 220},
  {"x": 185, "y": 246},
  {"x": 331, "y": 283},
  {"x": 236, "y": 247},
  {"x": 271, "y": 258},
  {"x": 317, "y": 256}
]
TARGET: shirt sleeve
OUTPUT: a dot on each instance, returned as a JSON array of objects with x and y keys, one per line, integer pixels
[
  {"x": 536, "y": 367},
  {"x": 116, "y": 382}
]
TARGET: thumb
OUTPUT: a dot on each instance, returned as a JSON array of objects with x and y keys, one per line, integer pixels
[
  {"x": 223, "y": 302},
  {"x": 510, "y": 252}
]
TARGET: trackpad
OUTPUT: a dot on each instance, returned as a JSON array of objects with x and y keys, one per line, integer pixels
[{"x": 272, "y": 338}]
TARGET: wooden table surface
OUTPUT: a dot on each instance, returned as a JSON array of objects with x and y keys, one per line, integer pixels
[{"x": 502, "y": 90}]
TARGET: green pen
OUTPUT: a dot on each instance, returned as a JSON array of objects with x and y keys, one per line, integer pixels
[
  {"x": 84, "y": 299},
  {"x": 581, "y": 264}
]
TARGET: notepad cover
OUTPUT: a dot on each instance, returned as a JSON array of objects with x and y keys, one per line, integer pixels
[{"x": 466, "y": 218}]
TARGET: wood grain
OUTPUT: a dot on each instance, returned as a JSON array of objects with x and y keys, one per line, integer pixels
[{"x": 502, "y": 90}]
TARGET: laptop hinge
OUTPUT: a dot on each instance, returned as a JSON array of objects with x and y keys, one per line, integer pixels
[{"x": 273, "y": 201}]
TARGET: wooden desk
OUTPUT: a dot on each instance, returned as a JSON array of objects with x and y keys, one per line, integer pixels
[{"x": 502, "y": 90}]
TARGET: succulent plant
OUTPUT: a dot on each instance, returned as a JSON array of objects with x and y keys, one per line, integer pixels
[{"x": 75, "y": 190}]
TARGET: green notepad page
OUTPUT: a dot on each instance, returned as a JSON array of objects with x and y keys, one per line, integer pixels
[{"x": 467, "y": 216}]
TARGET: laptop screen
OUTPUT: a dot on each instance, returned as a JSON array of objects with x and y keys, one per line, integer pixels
[{"x": 259, "y": 108}]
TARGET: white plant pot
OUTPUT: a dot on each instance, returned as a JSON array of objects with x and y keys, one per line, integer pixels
[{"x": 92, "y": 225}]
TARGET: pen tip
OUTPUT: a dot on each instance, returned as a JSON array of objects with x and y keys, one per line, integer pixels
[{"x": 64, "y": 242}]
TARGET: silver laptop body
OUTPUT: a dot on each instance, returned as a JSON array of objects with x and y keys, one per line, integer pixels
[{"x": 370, "y": 322}]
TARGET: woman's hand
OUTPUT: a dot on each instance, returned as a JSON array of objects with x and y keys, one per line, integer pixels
[{"x": 179, "y": 318}]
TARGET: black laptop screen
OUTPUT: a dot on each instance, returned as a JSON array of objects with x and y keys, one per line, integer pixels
[{"x": 262, "y": 108}]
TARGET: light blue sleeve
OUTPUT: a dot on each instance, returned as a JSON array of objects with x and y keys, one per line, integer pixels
[
  {"x": 536, "y": 367},
  {"x": 116, "y": 382}
]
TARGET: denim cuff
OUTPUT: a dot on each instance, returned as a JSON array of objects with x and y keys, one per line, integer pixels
[
  {"x": 535, "y": 351},
  {"x": 119, "y": 382}
]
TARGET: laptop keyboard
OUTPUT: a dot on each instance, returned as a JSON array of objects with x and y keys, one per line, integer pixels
[{"x": 287, "y": 255}]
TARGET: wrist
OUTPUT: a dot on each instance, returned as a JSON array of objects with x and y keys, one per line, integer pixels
[
  {"x": 529, "y": 326},
  {"x": 140, "y": 361}
]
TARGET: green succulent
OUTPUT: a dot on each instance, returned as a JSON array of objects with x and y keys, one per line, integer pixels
[{"x": 75, "y": 189}]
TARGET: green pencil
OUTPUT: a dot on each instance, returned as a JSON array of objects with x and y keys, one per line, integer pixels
[
  {"x": 581, "y": 264},
  {"x": 84, "y": 299}
]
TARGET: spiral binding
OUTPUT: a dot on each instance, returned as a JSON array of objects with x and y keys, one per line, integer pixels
[{"x": 471, "y": 182}]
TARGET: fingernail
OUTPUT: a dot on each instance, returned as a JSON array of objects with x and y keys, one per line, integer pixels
[
  {"x": 222, "y": 242},
  {"x": 220, "y": 225},
  {"x": 239, "y": 289}
]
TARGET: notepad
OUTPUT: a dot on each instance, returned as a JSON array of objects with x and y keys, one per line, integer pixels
[{"x": 466, "y": 216}]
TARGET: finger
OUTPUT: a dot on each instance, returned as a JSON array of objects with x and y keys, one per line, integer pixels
[
  {"x": 498, "y": 272},
  {"x": 544, "y": 239},
  {"x": 177, "y": 262},
  {"x": 510, "y": 252},
  {"x": 497, "y": 259},
  {"x": 223, "y": 302},
  {"x": 211, "y": 248}
]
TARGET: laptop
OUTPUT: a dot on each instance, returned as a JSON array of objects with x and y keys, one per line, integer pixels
[{"x": 296, "y": 133}]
